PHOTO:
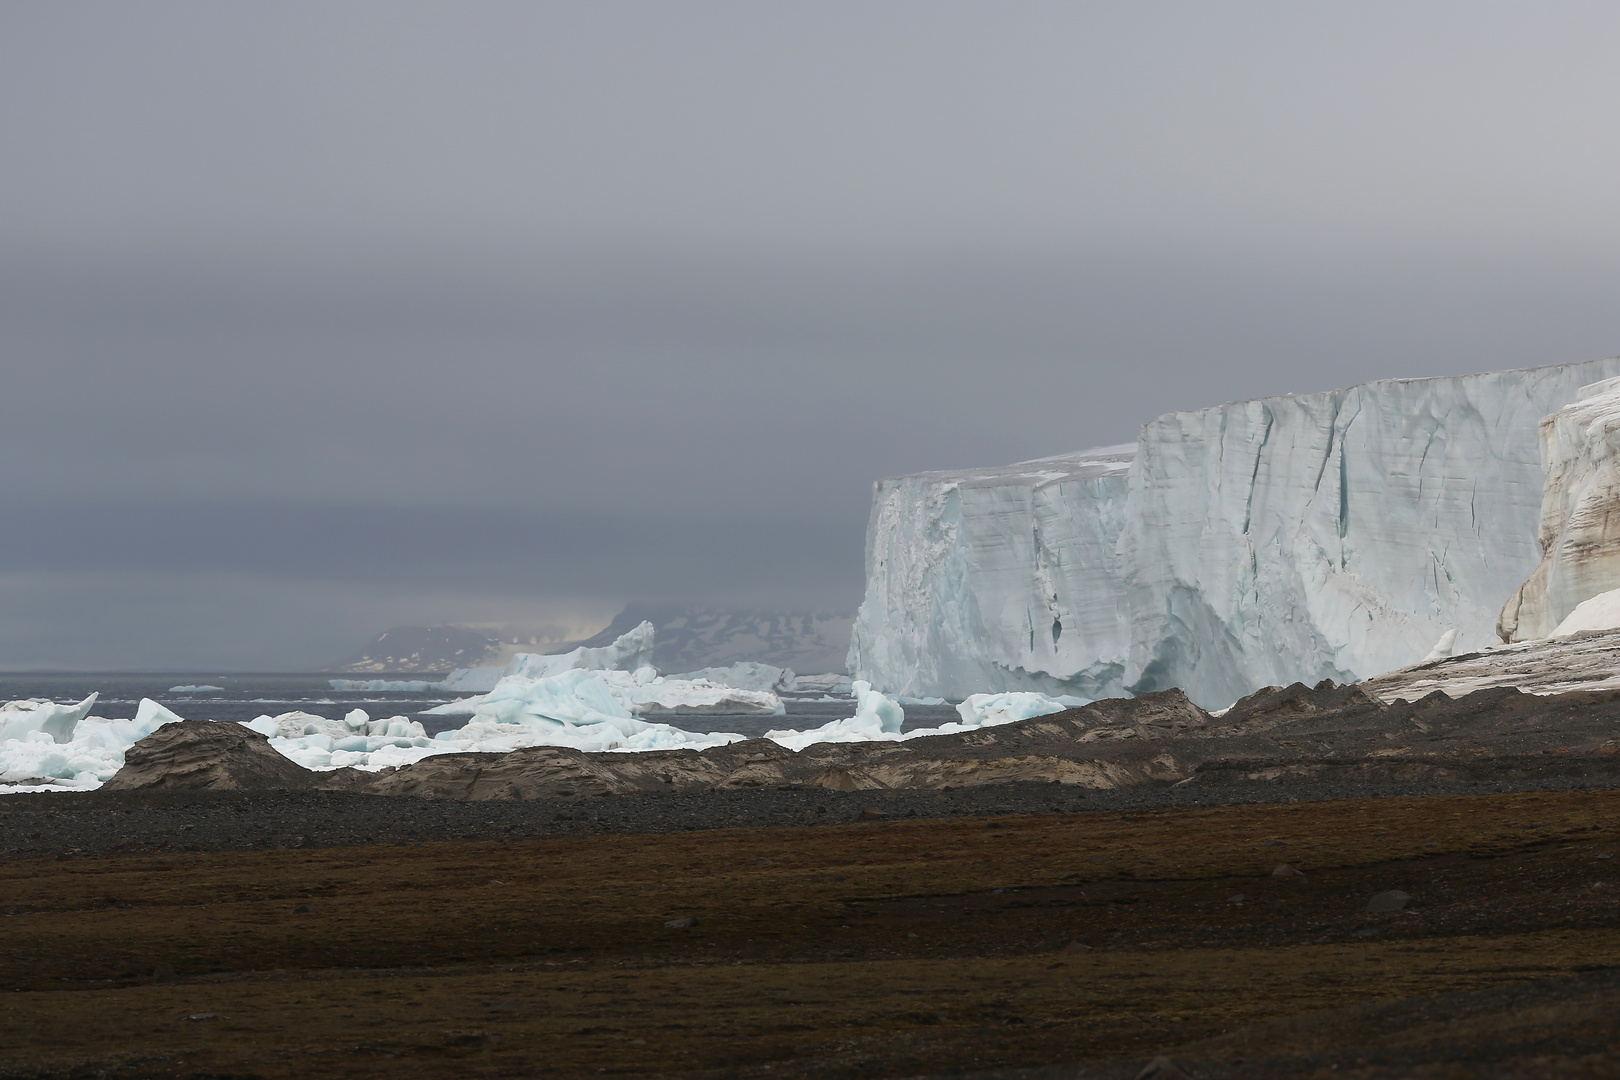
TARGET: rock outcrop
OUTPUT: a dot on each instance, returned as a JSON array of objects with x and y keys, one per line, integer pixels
[
  {"x": 1326, "y": 733},
  {"x": 203, "y": 755},
  {"x": 1580, "y": 515}
]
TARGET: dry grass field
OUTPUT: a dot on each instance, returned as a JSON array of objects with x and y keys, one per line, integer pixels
[{"x": 884, "y": 949}]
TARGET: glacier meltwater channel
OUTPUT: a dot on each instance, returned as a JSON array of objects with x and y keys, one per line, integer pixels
[{"x": 1332, "y": 535}]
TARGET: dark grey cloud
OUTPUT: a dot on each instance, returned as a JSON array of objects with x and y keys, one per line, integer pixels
[{"x": 316, "y": 316}]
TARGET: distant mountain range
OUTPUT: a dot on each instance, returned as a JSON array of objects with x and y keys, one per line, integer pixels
[
  {"x": 686, "y": 639},
  {"x": 691, "y": 638},
  {"x": 421, "y": 649}
]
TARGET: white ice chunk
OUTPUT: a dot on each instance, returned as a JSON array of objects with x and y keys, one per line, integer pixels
[
  {"x": 192, "y": 689},
  {"x": 988, "y": 710},
  {"x": 18, "y": 719},
  {"x": 91, "y": 753},
  {"x": 828, "y": 683},
  {"x": 374, "y": 685},
  {"x": 876, "y": 719},
  {"x": 747, "y": 675},
  {"x": 629, "y": 651},
  {"x": 1444, "y": 647},
  {"x": 1601, "y": 612},
  {"x": 460, "y": 707}
]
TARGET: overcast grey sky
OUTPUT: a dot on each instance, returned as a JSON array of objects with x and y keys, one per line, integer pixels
[{"x": 316, "y": 318}]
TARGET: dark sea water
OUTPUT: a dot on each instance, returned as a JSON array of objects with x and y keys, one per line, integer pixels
[{"x": 243, "y": 696}]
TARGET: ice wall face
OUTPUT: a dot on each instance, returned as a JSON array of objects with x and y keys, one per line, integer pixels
[
  {"x": 1580, "y": 515},
  {"x": 1333, "y": 535},
  {"x": 997, "y": 579}
]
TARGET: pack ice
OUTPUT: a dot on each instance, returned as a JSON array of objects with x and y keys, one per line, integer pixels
[
  {"x": 1296, "y": 538},
  {"x": 54, "y": 747},
  {"x": 49, "y": 746}
]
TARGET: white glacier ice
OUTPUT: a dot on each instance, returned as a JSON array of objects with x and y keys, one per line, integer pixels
[
  {"x": 628, "y": 652},
  {"x": 78, "y": 755},
  {"x": 1332, "y": 535},
  {"x": 988, "y": 710},
  {"x": 997, "y": 579},
  {"x": 1600, "y": 612},
  {"x": 827, "y": 683},
  {"x": 876, "y": 718},
  {"x": 20, "y": 719},
  {"x": 418, "y": 686},
  {"x": 577, "y": 708},
  {"x": 747, "y": 675},
  {"x": 192, "y": 689}
]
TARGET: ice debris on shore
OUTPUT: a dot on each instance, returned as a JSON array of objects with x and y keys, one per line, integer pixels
[
  {"x": 63, "y": 747},
  {"x": 587, "y": 699}
]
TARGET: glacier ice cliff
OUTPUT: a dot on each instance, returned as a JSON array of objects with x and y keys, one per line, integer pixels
[
  {"x": 1310, "y": 536},
  {"x": 1580, "y": 518}
]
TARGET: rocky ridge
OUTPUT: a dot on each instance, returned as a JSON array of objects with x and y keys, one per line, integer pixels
[{"x": 1322, "y": 734}]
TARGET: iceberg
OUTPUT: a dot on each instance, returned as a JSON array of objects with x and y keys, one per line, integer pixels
[
  {"x": 578, "y": 708},
  {"x": 64, "y": 747},
  {"x": 417, "y": 686},
  {"x": 192, "y": 689},
  {"x": 22, "y": 719},
  {"x": 876, "y": 718},
  {"x": 828, "y": 683},
  {"x": 629, "y": 651},
  {"x": 879, "y": 718},
  {"x": 746, "y": 675},
  {"x": 989, "y": 710},
  {"x": 1295, "y": 538}
]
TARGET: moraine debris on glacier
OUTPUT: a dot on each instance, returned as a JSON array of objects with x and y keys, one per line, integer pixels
[{"x": 1314, "y": 536}]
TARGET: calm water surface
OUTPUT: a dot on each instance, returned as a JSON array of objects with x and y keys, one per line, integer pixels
[{"x": 243, "y": 696}]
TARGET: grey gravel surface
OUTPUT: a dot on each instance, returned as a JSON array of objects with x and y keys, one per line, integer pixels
[{"x": 72, "y": 824}]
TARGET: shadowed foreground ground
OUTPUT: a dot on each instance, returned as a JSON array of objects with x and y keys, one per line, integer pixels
[{"x": 892, "y": 948}]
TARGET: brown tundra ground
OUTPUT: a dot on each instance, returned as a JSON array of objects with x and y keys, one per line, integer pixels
[{"x": 1037, "y": 945}]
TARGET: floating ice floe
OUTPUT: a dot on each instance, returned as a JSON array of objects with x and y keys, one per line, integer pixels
[{"x": 192, "y": 689}]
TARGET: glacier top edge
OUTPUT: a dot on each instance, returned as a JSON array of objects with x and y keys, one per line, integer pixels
[
  {"x": 1098, "y": 461},
  {"x": 1374, "y": 385}
]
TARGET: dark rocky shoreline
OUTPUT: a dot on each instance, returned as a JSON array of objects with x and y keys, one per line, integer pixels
[
  {"x": 95, "y": 824},
  {"x": 201, "y": 786}
]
